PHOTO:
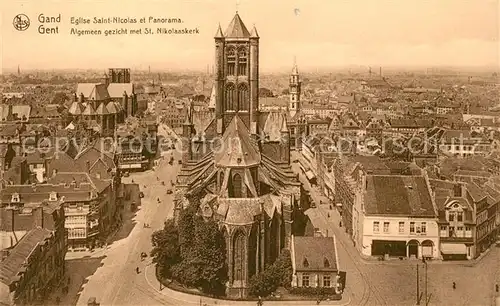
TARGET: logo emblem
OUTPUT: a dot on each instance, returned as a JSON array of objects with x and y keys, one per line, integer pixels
[{"x": 21, "y": 22}]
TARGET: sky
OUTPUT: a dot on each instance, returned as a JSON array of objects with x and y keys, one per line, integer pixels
[{"x": 318, "y": 33}]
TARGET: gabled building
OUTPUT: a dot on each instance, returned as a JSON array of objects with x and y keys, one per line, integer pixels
[{"x": 315, "y": 263}]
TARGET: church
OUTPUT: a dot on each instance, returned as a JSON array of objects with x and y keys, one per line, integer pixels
[{"x": 236, "y": 163}]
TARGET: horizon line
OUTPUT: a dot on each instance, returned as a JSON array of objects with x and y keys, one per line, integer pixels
[{"x": 304, "y": 69}]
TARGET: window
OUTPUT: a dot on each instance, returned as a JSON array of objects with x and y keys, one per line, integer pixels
[
  {"x": 386, "y": 227},
  {"x": 376, "y": 226},
  {"x": 236, "y": 186},
  {"x": 231, "y": 61},
  {"x": 305, "y": 263},
  {"x": 243, "y": 99},
  {"x": 326, "y": 263},
  {"x": 242, "y": 62},
  {"x": 401, "y": 227},
  {"x": 451, "y": 231},
  {"x": 460, "y": 216},
  {"x": 412, "y": 227},
  {"x": 326, "y": 281},
  {"x": 468, "y": 232},
  {"x": 15, "y": 198},
  {"x": 451, "y": 216},
  {"x": 53, "y": 196},
  {"x": 423, "y": 228},
  {"x": 460, "y": 231},
  {"x": 443, "y": 231},
  {"x": 230, "y": 97},
  {"x": 305, "y": 280}
]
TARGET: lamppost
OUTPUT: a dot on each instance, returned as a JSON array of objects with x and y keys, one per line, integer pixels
[{"x": 425, "y": 295}]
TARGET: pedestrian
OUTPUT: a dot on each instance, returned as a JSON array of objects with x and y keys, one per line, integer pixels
[
  {"x": 454, "y": 285},
  {"x": 496, "y": 287}
]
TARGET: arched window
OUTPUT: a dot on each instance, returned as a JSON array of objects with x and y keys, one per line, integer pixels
[
  {"x": 237, "y": 186},
  {"x": 231, "y": 61},
  {"x": 230, "y": 97},
  {"x": 239, "y": 256},
  {"x": 243, "y": 103},
  {"x": 242, "y": 62}
]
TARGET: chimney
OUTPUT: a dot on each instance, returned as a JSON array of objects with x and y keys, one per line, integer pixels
[
  {"x": 380, "y": 72},
  {"x": 81, "y": 98},
  {"x": 87, "y": 163},
  {"x": 76, "y": 97},
  {"x": 54, "y": 172}
]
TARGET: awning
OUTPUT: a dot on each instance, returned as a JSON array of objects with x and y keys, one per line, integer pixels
[
  {"x": 130, "y": 166},
  {"x": 310, "y": 175},
  {"x": 453, "y": 248}
]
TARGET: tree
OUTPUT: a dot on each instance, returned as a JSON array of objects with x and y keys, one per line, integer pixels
[
  {"x": 186, "y": 230},
  {"x": 166, "y": 249},
  {"x": 208, "y": 256},
  {"x": 284, "y": 269},
  {"x": 275, "y": 275}
]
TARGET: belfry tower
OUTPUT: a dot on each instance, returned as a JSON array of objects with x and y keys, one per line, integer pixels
[
  {"x": 294, "y": 89},
  {"x": 237, "y": 75}
]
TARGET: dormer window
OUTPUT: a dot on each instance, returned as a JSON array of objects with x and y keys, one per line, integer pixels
[
  {"x": 15, "y": 198},
  {"x": 305, "y": 263},
  {"x": 326, "y": 263},
  {"x": 53, "y": 196}
]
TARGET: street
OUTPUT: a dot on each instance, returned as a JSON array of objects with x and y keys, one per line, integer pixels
[
  {"x": 394, "y": 282},
  {"x": 116, "y": 281}
]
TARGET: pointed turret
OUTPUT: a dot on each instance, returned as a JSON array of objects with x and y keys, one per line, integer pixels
[
  {"x": 219, "y": 32},
  {"x": 284, "y": 126},
  {"x": 254, "y": 33},
  {"x": 236, "y": 28}
]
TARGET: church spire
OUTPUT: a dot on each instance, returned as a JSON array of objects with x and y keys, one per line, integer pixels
[
  {"x": 237, "y": 28},
  {"x": 295, "y": 70},
  {"x": 254, "y": 33},
  {"x": 219, "y": 32}
]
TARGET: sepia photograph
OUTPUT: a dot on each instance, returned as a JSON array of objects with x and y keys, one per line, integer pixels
[{"x": 250, "y": 152}]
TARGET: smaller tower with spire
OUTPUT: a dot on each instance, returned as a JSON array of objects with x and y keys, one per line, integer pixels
[
  {"x": 285, "y": 140},
  {"x": 187, "y": 130},
  {"x": 295, "y": 89}
]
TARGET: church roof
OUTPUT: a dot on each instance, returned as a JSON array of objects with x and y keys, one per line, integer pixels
[
  {"x": 89, "y": 110},
  {"x": 272, "y": 127},
  {"x": 76, "y": 109},
  {"x": 238, "y": 149},
  {"x": 236, "y": 28},
  {"x": 112, "y": 108},
  {"x": 102, "y": 110}
]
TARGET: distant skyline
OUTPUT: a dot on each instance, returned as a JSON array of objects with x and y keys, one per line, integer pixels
[{"x": 320, "y": 34}]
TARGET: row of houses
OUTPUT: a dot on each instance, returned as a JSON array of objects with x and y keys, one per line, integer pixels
[{"x": 394, "y": 209}]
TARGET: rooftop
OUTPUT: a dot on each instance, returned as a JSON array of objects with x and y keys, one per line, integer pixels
[
  {"x": 314, "y": 253},
  {"x": 13, "y": 264},
  {"x": 398, "y": 195}
]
